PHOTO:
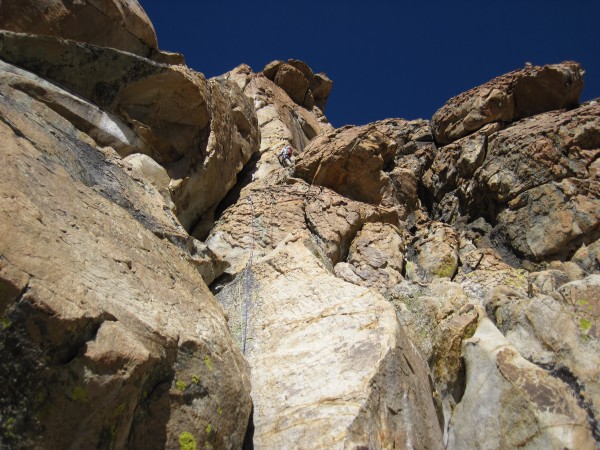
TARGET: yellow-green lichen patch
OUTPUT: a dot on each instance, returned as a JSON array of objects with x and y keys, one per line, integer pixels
[
  {"x": 585, "y": 326},
  {"x": 4, "y": 323},
  {"x": 79, "y": 394},
  {"x": 516, "y": 279},
  {"x": 195, "y": 379},
  {"x": 208, "y": 363},
  {"x": 119, "y": 409},
  {"x": 470, "y": 330},
  {"x": 446, "y": 269},
  {"x": 211, "y": 435},
  {"x": 187, "y": 441},
  {"x": 180, "y": 385}
]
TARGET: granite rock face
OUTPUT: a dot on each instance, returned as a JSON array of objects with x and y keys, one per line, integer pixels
[
  {"x": 401, "y": 284},
  {"x": 375, "y": 258},
  {"x": 331, "y": 371},
  {"x": 109, "y": 338},
  {"x": 504, "y": 392},
  {"x": 298, "y": 80},
  {"x": 121, "y": 24},
  {"x": 537, "y": 180},
  {"x": 518, "y": 94},
  {"x": 202, "y": 131}
]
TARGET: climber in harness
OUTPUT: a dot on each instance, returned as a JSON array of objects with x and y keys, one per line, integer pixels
[{"x": 285, "y": 155}]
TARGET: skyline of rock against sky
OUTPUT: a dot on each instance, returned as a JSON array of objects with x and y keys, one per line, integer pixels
[{"x": 387, "y": 59}]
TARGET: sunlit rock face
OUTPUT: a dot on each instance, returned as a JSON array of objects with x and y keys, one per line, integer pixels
[{"x": 166, "y": 282}]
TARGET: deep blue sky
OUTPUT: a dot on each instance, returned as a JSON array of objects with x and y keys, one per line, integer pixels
[{"x": 386, "y": 58}]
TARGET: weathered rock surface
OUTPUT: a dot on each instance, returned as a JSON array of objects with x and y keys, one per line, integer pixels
[
  {"x": 263, "y": 216},
  {"x": 536, "y": 180},
  {"x": 202, "y": 178},
  {"x": 297, "y": 79},
  {"x": 511, "y": 403},
  {"x": 437, "y": 317},
  {"x": 436, "y": 252},
  {"x": 109, "y": 336},
  {"x": 166, "y": 105},
  {"x": 331, "y": 371},
  {"x": 281, "y": 121},
  {"x": 201, "y": 132},
  {"x": 510, "y": 97},
  {"x": 375, "y": 258},
  {"x": 356, "y": 161},
  {"x": 559, "y": 331},
  {"x": 120, "y": 24}
]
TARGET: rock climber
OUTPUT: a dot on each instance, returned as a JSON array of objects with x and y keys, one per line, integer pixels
[{"x": 285, "y": 155}]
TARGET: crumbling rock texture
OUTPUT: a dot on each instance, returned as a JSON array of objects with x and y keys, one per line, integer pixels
[{"x": 166, "y": 283}]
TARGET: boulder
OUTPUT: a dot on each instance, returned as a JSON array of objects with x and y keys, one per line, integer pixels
[
  {"x": 361, "y": 382},
  {"x": 167, "y": 106},
  {"x": 518, "y": 94},
  {"x": 293, "y": 82},
  {"x": 202, "y": 132},
  {"x": 375, "y": 258},
  {"x": 109, "y": 337},
  {"x": 297, "y": 79},
  {"x": 351, "y": 161},
  {"x": 121, "y": 24},
  {"x": 320, "y": 87},
  {"x": 513, "y": 403},
  {"x": 359, "y": 162}
]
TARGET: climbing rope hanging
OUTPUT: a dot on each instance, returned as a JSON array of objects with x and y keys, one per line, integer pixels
[
  {"x": 247, "y": 276},
  {"x": 271, "y": 220}
]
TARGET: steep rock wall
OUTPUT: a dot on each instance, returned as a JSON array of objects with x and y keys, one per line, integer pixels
[{"x": 374, "y": 286}]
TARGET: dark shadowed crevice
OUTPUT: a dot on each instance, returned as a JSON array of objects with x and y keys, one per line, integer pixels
[
  {"x": 249, "y": 436},
  {"x": 244, "y": 178},
  {"x": 218, "y": 284},
  {"x": 459, "y": 387},
  {"x": 22, "y": 363},
  {"x": 426, "y": 198}
]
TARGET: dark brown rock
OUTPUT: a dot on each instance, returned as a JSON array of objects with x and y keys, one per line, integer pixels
[
  {"x": 536, "y": 179},
  {"x": 292, "y": 81},
  {"x": 298, "y": 80},
  {"x": 357, "y": 161},
  {"x": 518, "y": 94}
]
